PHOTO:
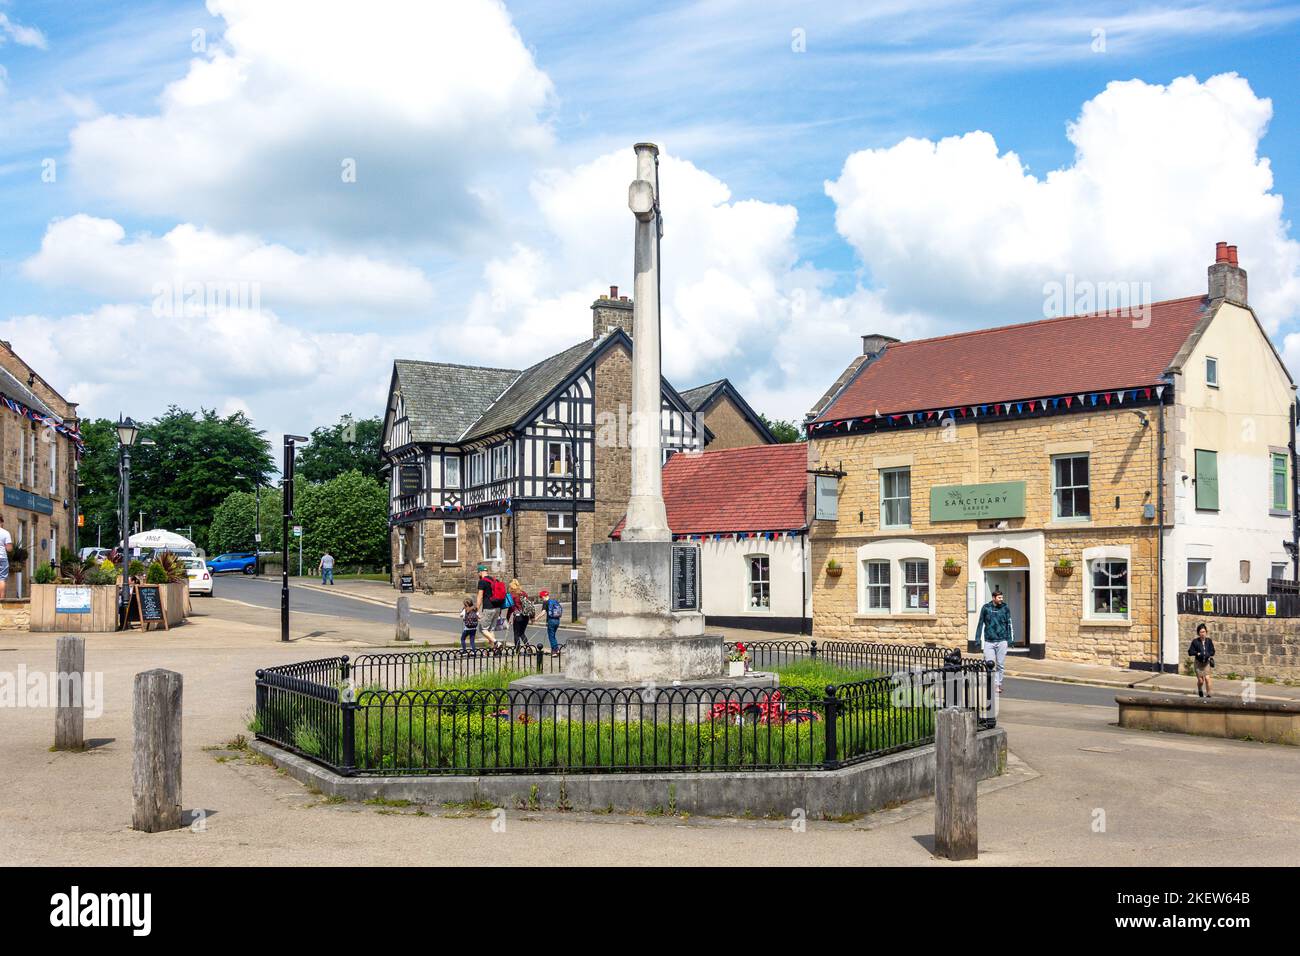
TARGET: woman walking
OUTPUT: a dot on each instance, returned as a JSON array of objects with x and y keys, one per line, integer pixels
[
  {"x": 1201, "y": 651},
  {"x": 519, "y": 611}
]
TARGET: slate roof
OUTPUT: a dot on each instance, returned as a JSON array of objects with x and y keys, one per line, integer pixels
[
  {"x": 756, "y": 488},
  {"x": 698, "y": 396},
  {"x": 1076, "y": 353},
  {"x": 528, "y": 388},
  {"x": 443, "y": 400},
  {"x": 703, "y": 395}
]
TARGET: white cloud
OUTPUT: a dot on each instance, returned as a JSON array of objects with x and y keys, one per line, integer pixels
[
  {"x": 23, "y": 36},
  {"x": 256, "y": 134},
  {"x": 123, "y": 357},
  {"x": 95, "y": 255},
  {"x": 959, "y": 230}
]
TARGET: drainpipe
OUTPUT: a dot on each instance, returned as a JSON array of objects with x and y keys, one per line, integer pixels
[
  {"x": 1160, "y": 538},
  {"x": 803, "y": 578},
  {"x": 1295, "y": 502}
]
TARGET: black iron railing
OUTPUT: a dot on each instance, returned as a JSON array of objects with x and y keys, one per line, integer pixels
[
  {"x": 387, "y": 714},
  {"x": 1239, "y": 605}
]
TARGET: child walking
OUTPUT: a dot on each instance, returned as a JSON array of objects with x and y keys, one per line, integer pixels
[
  {"x": 469, "y": 622},
  {"x": 554, "y": 611}
]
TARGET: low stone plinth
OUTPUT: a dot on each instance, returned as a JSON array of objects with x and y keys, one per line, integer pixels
[
  {"x": 1270, "y": 721},
  {"x": 780, "y": 794},
  {"x": 633, "y": 661},
  {"x": 559, "y": 697}
]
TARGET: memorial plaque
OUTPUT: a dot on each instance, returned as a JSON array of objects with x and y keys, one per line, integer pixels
[{"x": 686, "y": 577}]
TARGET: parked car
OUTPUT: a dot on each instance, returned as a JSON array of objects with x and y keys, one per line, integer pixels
[
  {"x": 245, "y": 561},
  {"x": 95, "y": 554},
  {"x": 199, "y": 575}
]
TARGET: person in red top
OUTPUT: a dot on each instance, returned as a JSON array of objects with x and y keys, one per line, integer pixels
[{"x": 488, "y": 605}]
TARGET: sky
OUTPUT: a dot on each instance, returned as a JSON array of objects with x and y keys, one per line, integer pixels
[{"x": 259, "y": 205}]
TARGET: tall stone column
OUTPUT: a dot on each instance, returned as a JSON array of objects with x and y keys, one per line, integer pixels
[{"x": 647, "y": 519}]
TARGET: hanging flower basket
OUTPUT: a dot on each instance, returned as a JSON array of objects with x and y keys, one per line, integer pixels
[
  {"x": 952, "y": 570},
  {"x": 1063, "y": 570},
  {"x": 834, "y": 569}
]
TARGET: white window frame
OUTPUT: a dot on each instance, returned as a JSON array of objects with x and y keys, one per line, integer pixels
[
  {"x": 454, "y": 538},
  {"x": 923, "y": 587},
  {"x": 31, "y": 477},
  {"x": 500, "y": 462},
  {"x": 560, "y": 522},
  {"x": 477, "y": 469},
  {"x": 1072, "y": 488},
  {"x": 419, "y": 543},
  {"x": 54, "y": 544},
  {"x": 885, "y": 501},
  {"x": 875, "y": 590},
  {"x": 1274, "y": 565},
  {"x": 566, "y": 466},
  {"x": 1205, "y": 574},
  {"x": 1211, "y": 371},
  {"x": 54, "y": 463},
  {"x": 492, "y": 531},
  {"x": 896, "y": 551},
  {"x": 22, "y": 457},
  {"x": 451, "y": 471},
  {"x": 401, "y": 545},
  {"x": 764, "y": 583},
  {"x": 1106, "y": 554}
]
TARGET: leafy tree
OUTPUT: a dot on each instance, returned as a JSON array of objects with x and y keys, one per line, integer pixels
[
  {"x": 351, "y": 445},
  {"x": 347, "y": 516},
  {"x": 234, "y": 523},
  {"x": 197, "y": 460},
  {"x": 97, "y": 480},
  {"x": 784, "y": 431}
]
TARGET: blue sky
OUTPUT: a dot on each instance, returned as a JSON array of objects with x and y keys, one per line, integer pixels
[{"x": 492, "y": 149}]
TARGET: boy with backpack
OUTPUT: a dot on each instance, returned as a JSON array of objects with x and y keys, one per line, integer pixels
[
  {"x": 469, "y": 628},
  {"x": 491, "y": 599},
  {"x": 554, "y": 611}
]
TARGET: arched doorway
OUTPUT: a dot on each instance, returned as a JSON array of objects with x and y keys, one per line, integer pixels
[{"x": 1007, "y": 570}]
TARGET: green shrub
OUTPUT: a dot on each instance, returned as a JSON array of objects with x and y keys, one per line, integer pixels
[
  {"x": 135, "y": 568},
  {"x": 156, "y": 574},
  {"x": 812, "y": 676},
  {"x": 44, "y": 574}
]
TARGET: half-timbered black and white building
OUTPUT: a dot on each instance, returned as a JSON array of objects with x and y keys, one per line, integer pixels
[{"x": 491, "y": 465}]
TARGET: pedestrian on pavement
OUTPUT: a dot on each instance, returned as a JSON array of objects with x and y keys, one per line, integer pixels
[
  {"x": 995, "y": 625},
  {"x": 554, "y": 612},
  {"x": 6, "y": 545},
  {"x": 489, "y": 602},
  {"x": 469, "y": 625},
  {"x": 519, "y": 611},
  {"x": 1201, "y": 651},
  {"x": 326, "y": 568}
]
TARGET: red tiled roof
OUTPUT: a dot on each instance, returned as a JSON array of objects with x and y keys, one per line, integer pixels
[
  {"x": 758, "y": 488},
  {"x": 1075, "y": 353}
]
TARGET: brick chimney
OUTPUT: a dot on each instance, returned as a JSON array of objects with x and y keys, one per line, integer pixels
[
  {"x": 1227, "y": 279},
  {"x": 871, "y": 344},
  {"x": 611, "y": 311}
]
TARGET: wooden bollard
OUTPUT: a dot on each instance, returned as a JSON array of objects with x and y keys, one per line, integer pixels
[
  {"x": 156, "y": 760},
  {"x": 70, "y": 713},
  {"x": 956, "y": 826},
  {"x": 403, "y": 618}
]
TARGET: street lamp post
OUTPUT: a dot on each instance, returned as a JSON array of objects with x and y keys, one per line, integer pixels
[
  {"x": 572, "y": 436},
  {"x": 257, "y": 529},
  {"x": 287, "y": 497},
  {"x": 127, "y": 432}
]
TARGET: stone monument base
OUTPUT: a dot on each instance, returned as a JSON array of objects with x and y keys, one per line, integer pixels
[{"x": 560, "y": 697}]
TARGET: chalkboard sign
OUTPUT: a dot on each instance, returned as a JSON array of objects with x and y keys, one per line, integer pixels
[
  {"x": 407, "y": 583},
  {"x": 146, "y": 605},
  {"x": 410, "y": 479},
  {"x": 686, "y": 577}
]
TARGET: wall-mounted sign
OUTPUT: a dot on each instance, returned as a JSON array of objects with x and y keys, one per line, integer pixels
[
  {"x": 827, "y": 498},
  {"x": 71, "y": 600},
  {"x": 1270, "y": 609},
  {"x": 17, "y": 498},
  {"x": 410, "y": 479},
  {"x": 999, "y": 499}
]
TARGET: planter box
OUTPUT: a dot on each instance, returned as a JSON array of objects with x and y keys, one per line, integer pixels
[
  {"x": 176, "y": 602},
  {"x": 735, "y": 668},
  {"x": 100, "y": 614}
]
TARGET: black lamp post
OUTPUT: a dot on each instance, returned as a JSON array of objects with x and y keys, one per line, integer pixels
[
  {"x": 127, "y": 433},
  {"x": 572, "y": 436},
  {"x": 287, "y": 498}
]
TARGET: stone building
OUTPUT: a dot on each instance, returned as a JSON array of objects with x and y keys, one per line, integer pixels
[
  {"x": 483, "y": 466},
  {"x": 1090, "y": 467},
  {"x": 728, "y": 416},
  {"x": 39, "y": 448}
]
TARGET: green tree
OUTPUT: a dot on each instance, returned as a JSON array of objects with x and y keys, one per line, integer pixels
[
  {"x": 234, "y": 523},
  {"x": 347, "y": 516},
  {"x": 784, "y": 431},
  {"x": 196, "y": 461},
  {"x": 351, "y": 445},
  {"x": 97, "y": 484}
]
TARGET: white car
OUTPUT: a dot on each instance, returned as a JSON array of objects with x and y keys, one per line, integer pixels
[{"x": 200, "y": 576}]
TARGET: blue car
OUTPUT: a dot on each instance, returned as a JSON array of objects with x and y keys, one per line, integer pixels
[{"x": 245, "y": 561}]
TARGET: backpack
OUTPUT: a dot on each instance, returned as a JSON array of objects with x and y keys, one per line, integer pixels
[
  {"x": 498, "y": 590},
  {"x": 526, "y": 606},
  {"x": 554, "y": 609}
]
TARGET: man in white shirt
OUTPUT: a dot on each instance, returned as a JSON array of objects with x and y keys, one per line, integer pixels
[
  {"x": 6, "y": 545},
  {"x": 327, "y": 568}
]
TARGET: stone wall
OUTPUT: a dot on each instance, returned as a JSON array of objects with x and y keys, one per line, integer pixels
[
  {"x": 1122, "y": 480},
  {"x": 613, "y": 459},
  {"x": 1249, "y": 646},
  {"x": 730, "y": 428},
  {"x": 15, "y": 615}
]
